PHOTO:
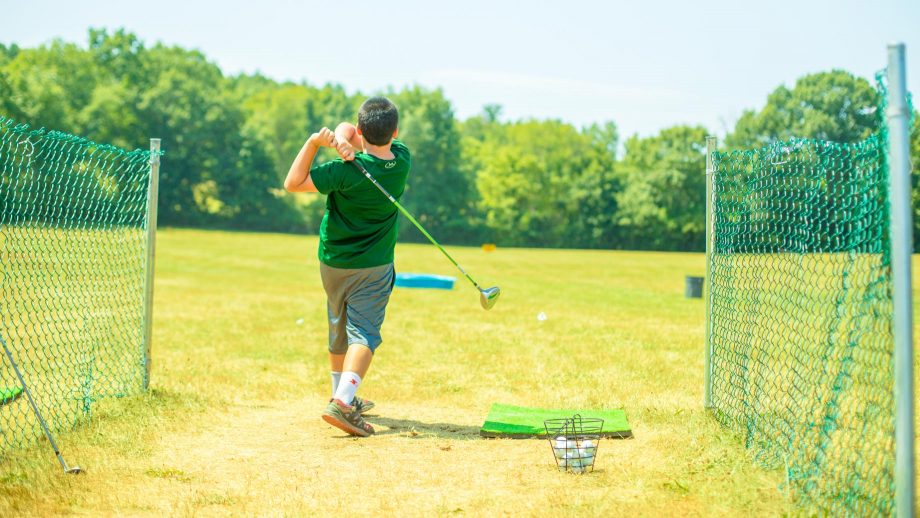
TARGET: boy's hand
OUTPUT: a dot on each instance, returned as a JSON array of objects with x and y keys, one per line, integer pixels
[
  {"x": 344, "y": 150},
  {"x": 323, "y": 138}
]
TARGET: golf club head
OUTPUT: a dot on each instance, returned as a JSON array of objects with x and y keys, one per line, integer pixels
[
  {"x": 489, "y": 296},
  {"x": 73, "y": 470}
]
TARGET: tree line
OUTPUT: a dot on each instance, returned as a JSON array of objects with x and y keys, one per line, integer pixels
[{"x": 229, "y": 141}]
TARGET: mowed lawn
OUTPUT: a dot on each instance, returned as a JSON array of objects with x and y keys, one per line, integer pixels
[{"x": 240, "y": 377}]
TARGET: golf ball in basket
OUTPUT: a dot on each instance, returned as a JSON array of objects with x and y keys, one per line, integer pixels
[
  {"x": 576, "y": 466},
  {"x": 565, "y": 444}
]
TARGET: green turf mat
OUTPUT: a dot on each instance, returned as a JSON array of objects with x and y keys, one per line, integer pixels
[
  {"x": 519, "y": 422},
  {"x": 9, "y": 394}
]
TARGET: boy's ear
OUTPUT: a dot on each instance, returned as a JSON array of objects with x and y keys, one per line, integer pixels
[
  {"x": 358, "y": 129},
  {"x": 396, "y": 133}
]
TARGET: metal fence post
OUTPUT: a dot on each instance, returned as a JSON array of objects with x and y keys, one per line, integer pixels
[
  {"x": 898, "y": 116},
  {"x": 152, "y": 190},
  {"x": 711, "y": 144}
]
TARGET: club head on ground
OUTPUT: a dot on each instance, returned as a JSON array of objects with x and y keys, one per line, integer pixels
[
  {"x": 73, "y": 470},
  {"x": 489, "y": 296}
]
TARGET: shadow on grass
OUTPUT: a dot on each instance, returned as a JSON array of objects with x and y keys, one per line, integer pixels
[{"x": 420, "y": 430}]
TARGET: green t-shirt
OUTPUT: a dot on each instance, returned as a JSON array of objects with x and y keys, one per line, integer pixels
[{"x": 360, "y": 224}]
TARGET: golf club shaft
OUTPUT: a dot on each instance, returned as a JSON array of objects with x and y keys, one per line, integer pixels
[
  {"x": 414, "y": 222},
  {"x": 38, "y": 414}
]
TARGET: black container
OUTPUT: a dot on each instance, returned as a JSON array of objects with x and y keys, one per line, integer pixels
[{"x": 694, "y": 287}]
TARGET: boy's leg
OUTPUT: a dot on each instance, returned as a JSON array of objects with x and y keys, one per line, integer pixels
[
  {"x": 336, "y": 292},
  {"x": 357, "y": 361},
  {"x": 336, "y": 361},
  {"x": 365, "y": 308},
  {"x": 335, "y": 364}
]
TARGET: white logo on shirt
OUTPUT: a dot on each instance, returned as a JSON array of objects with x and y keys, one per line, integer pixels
[{"x": 390, "y": 165}]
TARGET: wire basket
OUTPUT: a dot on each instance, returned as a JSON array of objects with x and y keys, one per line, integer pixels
[{"x": 574, "y": 441}]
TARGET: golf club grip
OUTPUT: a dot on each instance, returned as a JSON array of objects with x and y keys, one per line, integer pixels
[{"x": 413, "y": 220}]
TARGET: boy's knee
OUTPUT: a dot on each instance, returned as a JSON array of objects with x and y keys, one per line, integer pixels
[
  {"x": 369, "y": 345},
  {"x": 338, "y": 347}
]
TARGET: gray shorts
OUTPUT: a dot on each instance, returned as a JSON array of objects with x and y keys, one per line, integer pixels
[{"x": 357, "y": 302}]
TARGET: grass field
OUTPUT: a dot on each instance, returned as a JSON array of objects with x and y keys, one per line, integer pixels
[{"x": 231, "y": 425}]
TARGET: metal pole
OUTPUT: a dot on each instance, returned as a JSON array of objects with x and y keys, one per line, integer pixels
[
  {"x": 711, "y": 144},
  {"x": 152, "y": 188},
  {"x": 901, "y": 247},
  {"x": 38, "y": 414}
]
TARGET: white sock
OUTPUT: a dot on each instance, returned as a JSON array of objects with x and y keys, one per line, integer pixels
[
  {"x": 336, "y": 376},
  {"x": 348, "y": 385}
]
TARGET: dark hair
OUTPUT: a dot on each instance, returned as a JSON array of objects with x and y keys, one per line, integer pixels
[{"x": 378, "y": 118}]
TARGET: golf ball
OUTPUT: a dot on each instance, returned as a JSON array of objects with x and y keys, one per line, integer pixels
[
  {"x": 563, "y": 443},
  {"x": 575, "y": 466}
]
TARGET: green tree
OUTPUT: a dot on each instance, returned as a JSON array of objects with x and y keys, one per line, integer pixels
[
  {"x": 121, "y": 54},
  {"x": 279, "y": 116},
  {"x": 47, "y": 86},
  {"x": 439, "y": 188},
  {"x": 111, "y": 116},
  {"x": 7, "y": 107},
  {"x": 598, "y": 189},
  {"x": 187, "y": 106},
  {"x": 250, "y": 193},
  {"x": 544, "y": 183},
  {"x": 835, "y": 105},
  {"x": 662, "y": 204}
]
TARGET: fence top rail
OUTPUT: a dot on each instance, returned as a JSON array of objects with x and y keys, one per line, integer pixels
[{"x": 28, "y": 136}]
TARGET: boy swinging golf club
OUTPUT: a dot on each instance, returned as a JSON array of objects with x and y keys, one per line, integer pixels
[{"x": 357, "y": 238}]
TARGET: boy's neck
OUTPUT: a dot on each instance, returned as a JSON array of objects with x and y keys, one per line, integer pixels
[{"x": 382, "y": 152}]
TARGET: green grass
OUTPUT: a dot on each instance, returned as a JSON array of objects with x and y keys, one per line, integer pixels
[
  {"x": 231, "y": 425},
  {"x": 71, "y": 310}
]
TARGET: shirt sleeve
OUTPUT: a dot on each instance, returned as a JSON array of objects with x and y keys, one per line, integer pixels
[
  {"x": 328, "y": 177},
  {"x": 400, "y": 149}
]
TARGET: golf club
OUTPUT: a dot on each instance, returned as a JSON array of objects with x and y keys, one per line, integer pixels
[
  {"x": 67, "y": 469},
  {"x": 488, "y": 296}
]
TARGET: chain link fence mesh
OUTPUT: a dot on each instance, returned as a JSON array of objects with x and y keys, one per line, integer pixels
[
  {"x": 801, "y": 315},
  {"x": 73, "y": 237}
]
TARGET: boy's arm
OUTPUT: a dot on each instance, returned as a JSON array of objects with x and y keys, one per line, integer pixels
[
  {"x": 298, "y": 177},
  {"x": 347, "y": 141}
]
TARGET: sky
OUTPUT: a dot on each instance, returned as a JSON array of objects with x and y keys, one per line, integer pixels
[{"x": 644, "y": 65}]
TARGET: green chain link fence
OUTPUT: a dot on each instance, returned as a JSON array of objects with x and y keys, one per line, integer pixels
[
  {"x": 800, "y": 325},
  {"x": 73, "y": 259}
]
